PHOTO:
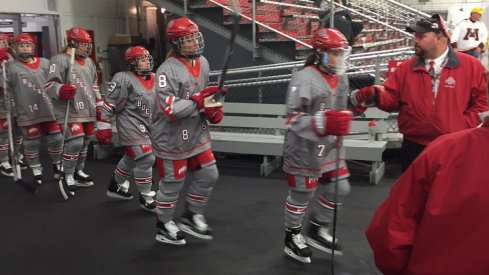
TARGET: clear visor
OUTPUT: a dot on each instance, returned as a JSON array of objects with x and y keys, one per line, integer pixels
[
  {"x": 337, "y": 60},
  {"x": 191, "y": 45},
  {"x": 24, "y": 49},
  {"x": 83, "y": 49},
  {"x": 144, "y": 65}
]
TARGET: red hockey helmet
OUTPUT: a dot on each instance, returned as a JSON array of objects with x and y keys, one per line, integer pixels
[
  {"x": 328, "y": 38},
  {"x": 332, "y": 50},
  {"x": 80, "y": 39},
  {"x": 185, "y": 37},
  {"x": 139, "y": 59},
  {"x": 23, "y": 39}
]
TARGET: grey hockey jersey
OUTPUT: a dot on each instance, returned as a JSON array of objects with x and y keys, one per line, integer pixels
[
  {"x": 84, "y": 76},
  {"x": 179, "y": 130},
  {"x": 131, "y": 98},
  {"x": 310, "y": 91},
  {"x": 3, "y": 107},
  {"x": 26, "y": 82}
]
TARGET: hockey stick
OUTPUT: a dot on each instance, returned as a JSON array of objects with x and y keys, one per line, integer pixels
[
  {"x": 216, "y": 99},
  {"x": 65, "y": 126},
  {"x": 15, "y": 164},
  {"x": 339, "y": 141}
]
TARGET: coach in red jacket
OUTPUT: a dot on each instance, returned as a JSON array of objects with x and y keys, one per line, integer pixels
[
  {"x": 436, "y": 219},
  {"x": 437, "y": 92}
]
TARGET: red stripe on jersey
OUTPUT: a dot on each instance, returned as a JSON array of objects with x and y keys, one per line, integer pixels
[
  {"x": 122, "y": 172},
  {"x": 331, "y": 175},
  {"x": 48, "y": 85},
  {"x": 289, "y": 120},
  {"x": 327, "y": 204},
  {"x": 143, "y": 180},
  {"x": 54, "y": 152},
  {"x": 161, "y": 204},
  {"x": 108, "y": 105},
  {"x": 294, "y": 209},
  {"x": 197, "y": 198},
  {"x": 70, "y": 157},
  {"x": 31, "y": 155}
]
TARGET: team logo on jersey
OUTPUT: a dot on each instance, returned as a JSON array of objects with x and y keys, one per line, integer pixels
[
  {"x": 182, "y": 170},
  {"x": 33, "y": 131},
  {"x": 75, "y": 128},
  {"x": 450, "y": 82}
]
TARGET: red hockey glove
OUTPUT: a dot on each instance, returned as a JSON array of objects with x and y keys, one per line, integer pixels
[
  {"x": 104, "y": 136},
  {"x": 67, "y": 92},
  {"x": 3, "y": 55},
  {"x": 214, "y": 114},
  {"x": 360, "y": 96},
  {"x": 337, "y": 123},
  {"x": 200, "y": 96}
]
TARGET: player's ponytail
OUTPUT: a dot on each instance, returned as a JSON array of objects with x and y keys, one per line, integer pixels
[{"x": 311, "y": 60}]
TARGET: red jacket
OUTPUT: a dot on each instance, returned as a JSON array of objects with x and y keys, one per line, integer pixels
[
  {"x": 422, "y": 118},
  {"x": 436, "y": 218}
]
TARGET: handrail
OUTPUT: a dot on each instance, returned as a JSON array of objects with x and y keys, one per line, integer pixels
[
  {"x": 290, "y": 65},
  {"x": 249, "y": 82},
  {"x": 413, "y": 10},
  {"x": 261, "y": 24},
  {"x": 371, "y": 19},
  {"x": 378, "y": 7}
]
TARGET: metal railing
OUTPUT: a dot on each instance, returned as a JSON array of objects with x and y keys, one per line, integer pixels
[{"x": 374, "y": 70}]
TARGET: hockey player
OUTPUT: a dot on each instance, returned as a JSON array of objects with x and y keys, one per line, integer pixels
[
  {"x": 34, "y": 109},
  {"x": 83, "y": 96},
  {"x": 5, "y": 167},
  {"x": 316, "y": 96},
  {"x": 470, "y": 35},
  {"x": 417, "y": 230},
  {"x": 180, "y": 134},
  {"x": 131, "y": 98}
]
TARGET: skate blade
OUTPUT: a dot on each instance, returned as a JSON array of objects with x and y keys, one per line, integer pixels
[
  {"x": 164, "y": 240},
  {"x": 313, "y": 243},
  {"x": 291, "y": 254},
  {"x": 84, "y": 184},
  {"x": 148, "y": 209},
  {"x": 7, "y": 174},
  {"x": 117, "y": 196},
  {"x": 187, "y": 229}
]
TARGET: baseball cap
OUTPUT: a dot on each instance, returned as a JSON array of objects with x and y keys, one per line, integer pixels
[
  {"x": 434, "y": 24},
  {"x": 477, "y": 10}
]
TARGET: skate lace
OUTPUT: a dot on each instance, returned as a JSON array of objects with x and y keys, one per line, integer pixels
[
  {"x": 6, "y": 165},
  {"x": 172, "y": 228},
  {"x": 200, "y": 221},
  {"x": 299, "y": 241}
]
